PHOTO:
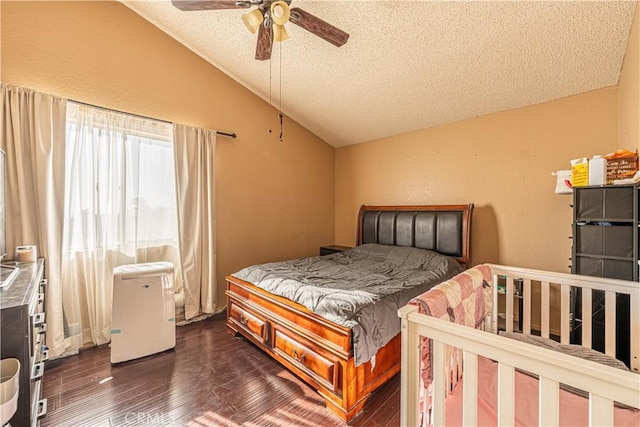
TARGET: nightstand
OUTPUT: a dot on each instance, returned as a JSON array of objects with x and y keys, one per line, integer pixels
[{"x": 328, "y": 250}]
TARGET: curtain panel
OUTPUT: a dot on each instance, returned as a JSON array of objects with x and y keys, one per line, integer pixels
[
  {"x": 195, "y": 162},
  {"x": 33, "y": 136}
]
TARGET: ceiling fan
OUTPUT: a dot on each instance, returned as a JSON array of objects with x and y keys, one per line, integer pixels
[{"x": 268, "y": 20}]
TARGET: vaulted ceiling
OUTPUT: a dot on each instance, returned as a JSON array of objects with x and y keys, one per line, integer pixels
[{"x": 410, "y": 65}]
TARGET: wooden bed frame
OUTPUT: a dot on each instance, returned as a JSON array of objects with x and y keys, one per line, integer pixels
[
  {"x": 603, "y": 383},
  {"x": 319, "y": 351}
]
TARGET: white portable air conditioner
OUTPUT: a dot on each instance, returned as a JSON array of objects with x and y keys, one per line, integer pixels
[{"x": 143, "y": 311}]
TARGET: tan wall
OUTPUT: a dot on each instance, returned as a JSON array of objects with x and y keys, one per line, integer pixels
[
  {"x": 269, "y": 192},
  {"x": 629, "y": 90},
  {"x": 500, "y": 162},
  {"x": 274, "y": 200}
]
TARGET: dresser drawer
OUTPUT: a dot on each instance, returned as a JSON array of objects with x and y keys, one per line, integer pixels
[
  {"x": 320, "y": 368},
  {"x": 42, "y": 289},
  {"x": 253, "y": 323},
  {"x": 37, "y": 333},
  {"x": 38, "y": 406}
]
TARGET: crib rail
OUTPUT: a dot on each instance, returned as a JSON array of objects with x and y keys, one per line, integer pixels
[
  {"x": 604, "y": 384},
  {"x": 544, "y": 280}
]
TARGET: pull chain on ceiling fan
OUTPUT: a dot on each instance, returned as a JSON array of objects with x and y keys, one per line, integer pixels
[{"x": 268, "y": 20}]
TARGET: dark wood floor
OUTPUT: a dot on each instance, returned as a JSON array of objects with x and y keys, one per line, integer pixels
[{"x": 209, "y": 379}]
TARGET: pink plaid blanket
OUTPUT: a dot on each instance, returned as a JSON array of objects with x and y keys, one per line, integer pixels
[{"x": 465, "y": 299}]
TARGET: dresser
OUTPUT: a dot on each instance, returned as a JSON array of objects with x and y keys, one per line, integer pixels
[{"x": 23, "y": 337}]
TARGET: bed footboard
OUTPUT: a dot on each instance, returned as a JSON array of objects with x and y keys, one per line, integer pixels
[{"x": 316, "y": 350}]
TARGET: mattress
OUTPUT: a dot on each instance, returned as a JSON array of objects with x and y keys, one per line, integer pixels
[{"x": 361, "y": 288}]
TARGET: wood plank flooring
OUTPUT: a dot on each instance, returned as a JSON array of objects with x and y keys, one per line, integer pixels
[{"x": 209, "y": 379}]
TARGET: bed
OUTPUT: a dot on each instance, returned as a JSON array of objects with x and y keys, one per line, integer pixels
[
  {"x": 322, "y": 351},
  {"x": 456, "y": 370}
]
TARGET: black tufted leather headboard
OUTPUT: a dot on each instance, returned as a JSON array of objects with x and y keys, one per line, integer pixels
[{"x": 444, "y": 229}]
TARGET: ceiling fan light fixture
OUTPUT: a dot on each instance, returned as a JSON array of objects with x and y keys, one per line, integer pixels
[
  {"x": 268, "y": 20},
  {"x": 252, "y": 20},
  {"x": 279, "y": 33},
  {"x": 280, "y": 12}
]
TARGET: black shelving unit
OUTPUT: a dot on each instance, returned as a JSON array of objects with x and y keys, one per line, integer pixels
[{"x": 605, "y": 244}]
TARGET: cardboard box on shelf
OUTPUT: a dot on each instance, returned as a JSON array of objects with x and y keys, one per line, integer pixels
[{"x": 620, "y": 165}]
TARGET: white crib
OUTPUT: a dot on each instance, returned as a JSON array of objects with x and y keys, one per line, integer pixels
[{"x": 604, "y": 384}]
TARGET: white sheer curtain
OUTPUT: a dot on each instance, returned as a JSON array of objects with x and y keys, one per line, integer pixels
[
  {"x": 120, "y": 209},
  {"x": 32, "y": 130},
  {"x": 195, "y": 165}
]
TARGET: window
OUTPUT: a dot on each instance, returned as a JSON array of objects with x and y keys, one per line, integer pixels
[{"x": 120, "y": 182}]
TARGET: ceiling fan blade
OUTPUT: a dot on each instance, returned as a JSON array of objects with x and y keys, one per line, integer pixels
[
  {"x": 318, "y": 27},
  {"x": 265, "y": 43},
  {"x": 188, "y": 5}
]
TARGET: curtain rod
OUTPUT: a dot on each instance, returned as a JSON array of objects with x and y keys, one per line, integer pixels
[{"x": 230, "y": 135}]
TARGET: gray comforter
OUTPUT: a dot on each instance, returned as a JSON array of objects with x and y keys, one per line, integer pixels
[{"x": 361, "y": 288}]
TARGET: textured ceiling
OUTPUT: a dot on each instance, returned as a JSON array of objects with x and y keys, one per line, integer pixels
[{"x": 410, "y": 65}]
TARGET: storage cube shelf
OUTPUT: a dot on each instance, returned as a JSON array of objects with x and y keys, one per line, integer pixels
[
  {"x": 605, "y": 244},
  {"x": 605, "y": 231}
]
